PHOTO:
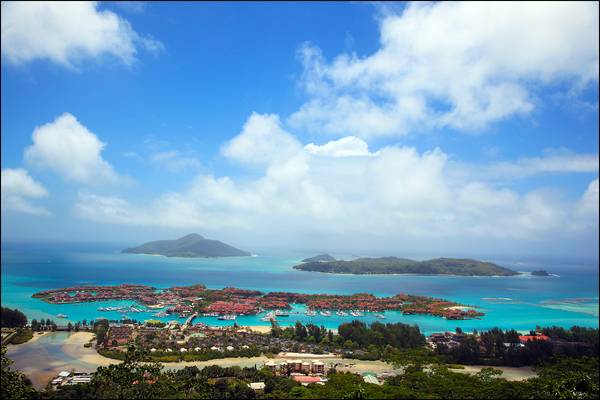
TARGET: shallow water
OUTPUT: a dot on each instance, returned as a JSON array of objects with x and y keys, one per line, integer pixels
[{"x": 521, "y": 302}]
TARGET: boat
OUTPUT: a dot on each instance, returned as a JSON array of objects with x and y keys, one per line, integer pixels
[
  {"x": 341, "y": 313},
  {"x": 160, "y": 314},
  {"x": 380, "y": 316},
  {"x": 355, "y": 313},
  {"x": 62, "y": 316},
  {"x": 101, "y": 309},
  {"x": 325, "y": 313},
  {"x": 210, "y": 314},
  {"x": 310, "y": 313},
  {"x": 227, "y": 317},
  {"x": 279, "y": 313}
]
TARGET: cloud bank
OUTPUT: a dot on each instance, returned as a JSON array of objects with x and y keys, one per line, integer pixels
[
  {"x": 462, "y": 65},
  {"x": 68, "y": 32},
  {"x": 18, "y": 189},
  {"x": 342, "y": 188}
]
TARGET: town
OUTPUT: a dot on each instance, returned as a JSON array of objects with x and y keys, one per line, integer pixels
[{"x": 229, "y": 302}]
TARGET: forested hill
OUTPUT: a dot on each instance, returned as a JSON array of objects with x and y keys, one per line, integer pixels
[
  {"x": 394, "y": 265},
  {"x": 192, "y": 245}
]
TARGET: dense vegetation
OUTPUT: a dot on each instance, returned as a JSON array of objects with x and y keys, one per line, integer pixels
[
  {"x": 12, "y": 318},
  {"x": 394, "y": 265},
  {"x": 320, "y": 257},
  {"x": 559, "y": 379},
  {"x": 192, "y": 245}
]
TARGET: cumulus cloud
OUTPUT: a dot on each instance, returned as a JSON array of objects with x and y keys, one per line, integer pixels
[
  {"x": 18, "y": 189},
  {"x": 392, "y": 195},
  {"x": 68, "y": 32},
  {"x": 450, "y": 64},
  {"x": 261, "y": 141},
  {"x": 68, "y": 148},
  {"x": 345, "y": 147}
]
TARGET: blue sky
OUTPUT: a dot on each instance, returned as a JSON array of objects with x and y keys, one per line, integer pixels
[{"x": 439, "y": 127}]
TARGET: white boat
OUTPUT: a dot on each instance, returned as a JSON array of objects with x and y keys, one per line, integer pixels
[
  {"x": 226, "y": 317},
  {"x": 325, "y": 313},
  {"x": 62, "y": 316},
  {"x": 279, "y": 313},
  {"x": 310, "y": 313},
  {"x": 380, "y": 316},
  {"x": 341, "y": 313},
  {"x": 355, "y": 313},
  {"x": 160, "y": 314}
]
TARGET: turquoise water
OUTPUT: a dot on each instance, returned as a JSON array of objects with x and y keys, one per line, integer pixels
[{"x": 522, "y": 302}]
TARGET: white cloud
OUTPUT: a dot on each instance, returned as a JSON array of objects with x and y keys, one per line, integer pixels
[
  {"x": 71, "y": 150},
  {"x": 450, "y": 64},
  {"x": 18, "y": 188},
  {"x": 175, "y": 161},
  {"x": 261, "y": 141},
  {"x": 391, "y": 196},
  {"x": 553, "y": 161},
  {"x": 68, "y": 32},
  {"x": 345, "y": 147}
]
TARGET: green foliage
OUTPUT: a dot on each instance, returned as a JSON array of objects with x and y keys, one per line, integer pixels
[
  {"x": 394, "y": 265},
  {"x": 12, "y": 318},
  {"x": 14, "y": 384},
  {"x": 22, "y": 335}
]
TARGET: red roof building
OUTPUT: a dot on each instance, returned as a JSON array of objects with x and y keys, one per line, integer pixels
[{"x": 527, "y": 338}]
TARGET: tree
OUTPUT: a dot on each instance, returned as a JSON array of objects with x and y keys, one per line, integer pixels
[
  {"x": 12, "y": 318},
  {"x": 14, "y": 384}
]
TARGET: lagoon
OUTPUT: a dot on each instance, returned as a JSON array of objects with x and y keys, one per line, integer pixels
[{"x": 520, "y": 302}]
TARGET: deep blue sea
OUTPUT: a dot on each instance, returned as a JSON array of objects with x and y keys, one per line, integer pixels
[{"x": 569, "y": 297}]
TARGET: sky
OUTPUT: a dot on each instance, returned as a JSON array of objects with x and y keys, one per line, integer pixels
[{"x": 373, "y": 128}]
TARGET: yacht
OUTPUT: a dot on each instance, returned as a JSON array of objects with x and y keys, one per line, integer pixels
[
  {"x": 227, "y": 317},
  {"x": 326, "y": 313},
  {"x": 380, "y": 316},
  {"x": 355, "y": 313},
  {"x": 62, "y": 316},
  {"x": 310, "y": 313},
  {"x": 341, "y": 313},
  {"x": 279, "y": 313}
]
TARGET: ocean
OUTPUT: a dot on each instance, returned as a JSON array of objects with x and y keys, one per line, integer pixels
[{"x": 568, "y": 297}]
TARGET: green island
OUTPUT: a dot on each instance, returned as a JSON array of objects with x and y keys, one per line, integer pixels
[
  {"x": 192, "y": 245},
  {"x": 395, "y": 265}
]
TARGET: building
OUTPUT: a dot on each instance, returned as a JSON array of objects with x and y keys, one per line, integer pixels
[
  {"x": 271, "y": 365},
  {"x": 306, "y": 380},
  {"x": 318, "y": 367},
  {"x": 119, "y": 335},
  {"x": 527, "y": 338},
  {"x": 257, "y": 385}
]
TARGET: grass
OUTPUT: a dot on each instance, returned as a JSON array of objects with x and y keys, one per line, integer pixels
[{"x": 22, "y": 336}]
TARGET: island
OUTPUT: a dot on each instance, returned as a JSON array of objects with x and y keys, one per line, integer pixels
[
  {"x": 192, "y": 245},
  {"x": 541, "y": 272},
  {"x": 320, "y": 257},
  {"x": 229, "y": 302},
  {"x": 395, "y": 265}
]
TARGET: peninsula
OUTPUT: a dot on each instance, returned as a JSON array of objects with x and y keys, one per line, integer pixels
[
  {"x": 394, "y": 265},
  {"x": 541, "y": 272},
  {"x": 192, "y": 245}
]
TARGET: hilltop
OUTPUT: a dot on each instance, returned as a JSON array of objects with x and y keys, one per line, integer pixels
[
  {"x": 395, "y": 265},
  {"x": 320, "y": 257},
  {"x": 192, "y": 245}
]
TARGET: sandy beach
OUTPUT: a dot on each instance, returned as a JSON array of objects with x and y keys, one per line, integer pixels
[{"x": 508, "y": 373}]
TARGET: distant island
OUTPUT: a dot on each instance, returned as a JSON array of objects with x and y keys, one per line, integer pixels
[
  {"x": 395, "y": 265},
  {"x": 320, "y": 257},
  {"x": 192, "y": 245},
  {"x": 541, "y": 272}
]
